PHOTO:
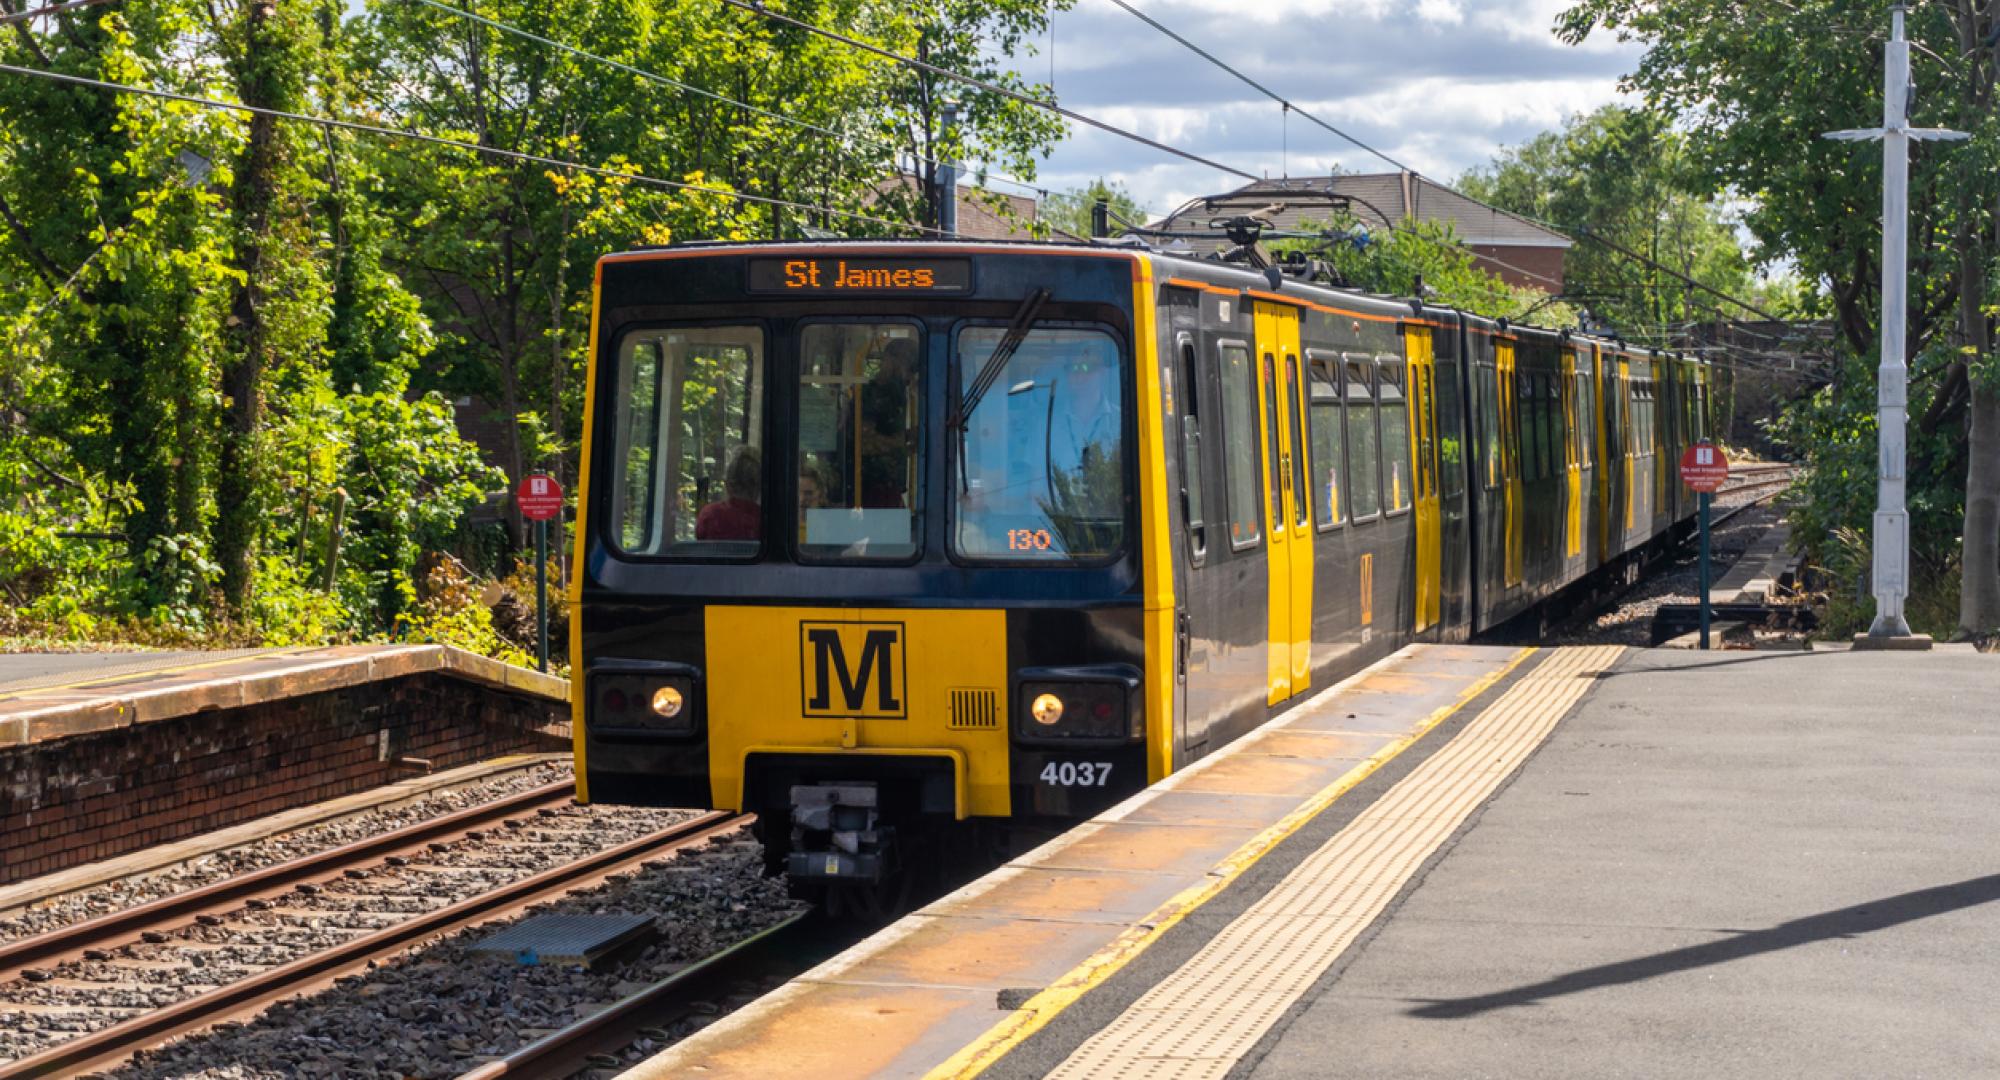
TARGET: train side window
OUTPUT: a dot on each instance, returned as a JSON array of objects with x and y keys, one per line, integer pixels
[
  {"x": 1364, "y": 462},
  {"x": 1531, "y": 427},
  {"x": 1275, "y": 472},
  {"x": 1486, "y": 386},
  {"x": 1191, "y": 505},
  {"x": 1239, "y": 444},
  {"x": 1586, "y": 427},
  {"x": 1326, "y": 438},
  {"x": 690, "y": 479},
  {"x": 1302, "y": 512},
  {"x": 1451, "y": 426},
  {"x": 1399, "y": 481}
]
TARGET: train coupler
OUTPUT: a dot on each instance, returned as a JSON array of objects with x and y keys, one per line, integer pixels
[{"x": 837, "y": 836}]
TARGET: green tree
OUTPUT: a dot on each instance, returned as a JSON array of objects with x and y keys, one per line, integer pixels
[
  {"x": 1754, "y": 87},
  {"x": 1069, "y": 211},
  {"x": 1622, "y": 174}
]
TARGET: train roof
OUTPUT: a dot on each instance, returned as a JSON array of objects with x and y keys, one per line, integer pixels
[{"x": 1188, "y": 266}]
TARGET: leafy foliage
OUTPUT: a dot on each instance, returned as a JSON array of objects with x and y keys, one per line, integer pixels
[
  {"x": 1754, "y": 87},
  {"x": 230, "y": 347},
  {"x": 1623, "y": 174}
]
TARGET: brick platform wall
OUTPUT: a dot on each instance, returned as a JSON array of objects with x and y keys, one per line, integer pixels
[{"x": 93, "y": 797}]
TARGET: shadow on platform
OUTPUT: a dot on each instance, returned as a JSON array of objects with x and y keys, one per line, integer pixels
[{"x": 1845, "y": 922}]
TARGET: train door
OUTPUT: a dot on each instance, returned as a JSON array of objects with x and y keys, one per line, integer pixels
[
  {"x": 1572, "y": 460},
  {"x": 1419, "y": 351},
  {"x": 1628, "y": 438},
  {"x": 1511, "y": 502},
  {"x": 1289, "y": 553}
]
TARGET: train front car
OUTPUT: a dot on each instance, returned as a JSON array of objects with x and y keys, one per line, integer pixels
[{"x": 860, "y": 547}]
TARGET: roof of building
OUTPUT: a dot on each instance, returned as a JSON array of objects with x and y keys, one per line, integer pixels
[
  {"x": 980, "y": 211},
  {"x": 1379, "y": 200}
]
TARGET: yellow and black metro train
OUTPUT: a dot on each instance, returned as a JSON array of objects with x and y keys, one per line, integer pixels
[{"x": 880, "y": 539}]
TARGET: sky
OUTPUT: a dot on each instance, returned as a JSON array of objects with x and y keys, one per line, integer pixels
[{"x": 1439, "y": 85}]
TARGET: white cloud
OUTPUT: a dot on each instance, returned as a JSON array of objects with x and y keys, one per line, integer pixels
[{"x": 1437, "y": 84}]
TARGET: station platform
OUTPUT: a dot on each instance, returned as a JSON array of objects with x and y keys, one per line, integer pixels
[{"x": 1478, "y": 862}]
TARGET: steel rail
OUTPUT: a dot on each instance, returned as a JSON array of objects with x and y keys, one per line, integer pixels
[
  {"x": 169, "y": 912},
  {"x": 117, "y": 1042},
  {"x": 564, "y": 1053}
]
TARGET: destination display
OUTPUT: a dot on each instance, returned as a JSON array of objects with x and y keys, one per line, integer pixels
[{"x": 836, "y": 277}]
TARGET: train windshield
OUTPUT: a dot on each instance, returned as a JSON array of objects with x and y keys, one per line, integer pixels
[
  {"x": 1040, "y": 472},
  {"x": 690, "y": 463},
  {"x": 858, "y": 432}
]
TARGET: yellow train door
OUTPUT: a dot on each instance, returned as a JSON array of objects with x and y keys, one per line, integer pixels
[
  {"x": 1295, "y": 388},
  {"x": 1511, "y": 499},
  {"x": 1290, "y": 551},
  {"x": 1419, "y": 351},
  {"x": 1572, "y": 463}
]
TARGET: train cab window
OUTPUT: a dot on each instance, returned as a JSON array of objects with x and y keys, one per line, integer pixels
[
  {"x": 1041, "y": 473},
  {"x": 1239, "y": 444},
  {"x": 689, "y": 464},
  {"x": 1191, "y": 505},
  {"x": 1399, "y": 483},
  {"x": 860, "y": 409},
  {"x": 1324, "y": 415},
  {"x": 1364, "y": 461}
]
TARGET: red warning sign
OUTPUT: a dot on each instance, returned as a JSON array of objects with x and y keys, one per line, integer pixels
[
  {"x": 539, "y": 497},
  {"x": 1703, "y": 467}
]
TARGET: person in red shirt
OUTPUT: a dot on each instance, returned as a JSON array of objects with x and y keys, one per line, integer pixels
[{"x": 738, "y": 516}]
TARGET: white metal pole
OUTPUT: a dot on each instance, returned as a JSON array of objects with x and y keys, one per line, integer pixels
[{"x": 1892, "y": 519}]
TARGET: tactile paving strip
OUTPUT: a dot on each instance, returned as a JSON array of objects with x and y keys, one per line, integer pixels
[{"x": 1202, "y": 1018}]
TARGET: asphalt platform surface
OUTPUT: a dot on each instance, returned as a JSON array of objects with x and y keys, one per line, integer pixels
[{"x": 1724, "y": 864}]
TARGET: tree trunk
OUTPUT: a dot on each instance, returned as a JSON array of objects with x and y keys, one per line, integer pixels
[
  {"x": 1979, "y": 556},
  {"x": 1979, "y": 598},
  {"x": 238, "y": 470}
]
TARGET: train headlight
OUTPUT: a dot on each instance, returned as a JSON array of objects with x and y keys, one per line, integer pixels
[
  {"x": 640, "y": 697},
  {"x": 1096, "y": 704}
]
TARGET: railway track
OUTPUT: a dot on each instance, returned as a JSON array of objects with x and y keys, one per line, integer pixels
[
  {"x": 785, "y": 948},
  {"x": 91, "y": 994}
]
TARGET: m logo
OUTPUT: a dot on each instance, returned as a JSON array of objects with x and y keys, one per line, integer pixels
[{"x": 852, "y": 670}]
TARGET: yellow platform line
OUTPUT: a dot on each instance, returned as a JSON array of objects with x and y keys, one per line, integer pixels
[
  {"x": 135, "y": 673},
  {"x": 1201, "y": 1019},
  {"x": 1037, "y": 1011}
]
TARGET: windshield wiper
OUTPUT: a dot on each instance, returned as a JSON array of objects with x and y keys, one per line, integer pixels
[{"x": 989, "y": 372}]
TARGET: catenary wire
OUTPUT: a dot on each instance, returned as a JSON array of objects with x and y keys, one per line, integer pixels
[
  {"x": 1069, "y": 114},
  {"x": 1291, "y": 106},
  {"x": 48, "y": 9},
  {"x": 989, "y": 87},
  {"x": 518, "y": 155},
  {"x": 663, "y": 80}
]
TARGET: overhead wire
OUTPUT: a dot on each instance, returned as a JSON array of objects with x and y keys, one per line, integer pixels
[
  {"x": 845, "y": 137},
  {"x": 11, "y": 18},
  {"x": 989, "y": 86},
  {"x": 1292, "y": 106},
  {"x": 458, "y": 144}
]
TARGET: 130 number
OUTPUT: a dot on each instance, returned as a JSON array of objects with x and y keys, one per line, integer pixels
[{"x": 1077, "y": 774}]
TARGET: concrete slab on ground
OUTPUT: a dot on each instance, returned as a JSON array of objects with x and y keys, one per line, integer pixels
[{"x": 1763, "y": 864}]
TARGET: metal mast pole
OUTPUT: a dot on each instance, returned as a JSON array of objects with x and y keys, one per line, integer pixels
[{"x": 1892, "y": 517}]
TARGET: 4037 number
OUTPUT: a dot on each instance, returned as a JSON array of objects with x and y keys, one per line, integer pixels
[{"x": 1077, "y": 773}]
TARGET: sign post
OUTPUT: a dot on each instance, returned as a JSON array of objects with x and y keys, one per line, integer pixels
[
  {"x": 540, "y": 498},
  {"x": 1703, "y": 468}
]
